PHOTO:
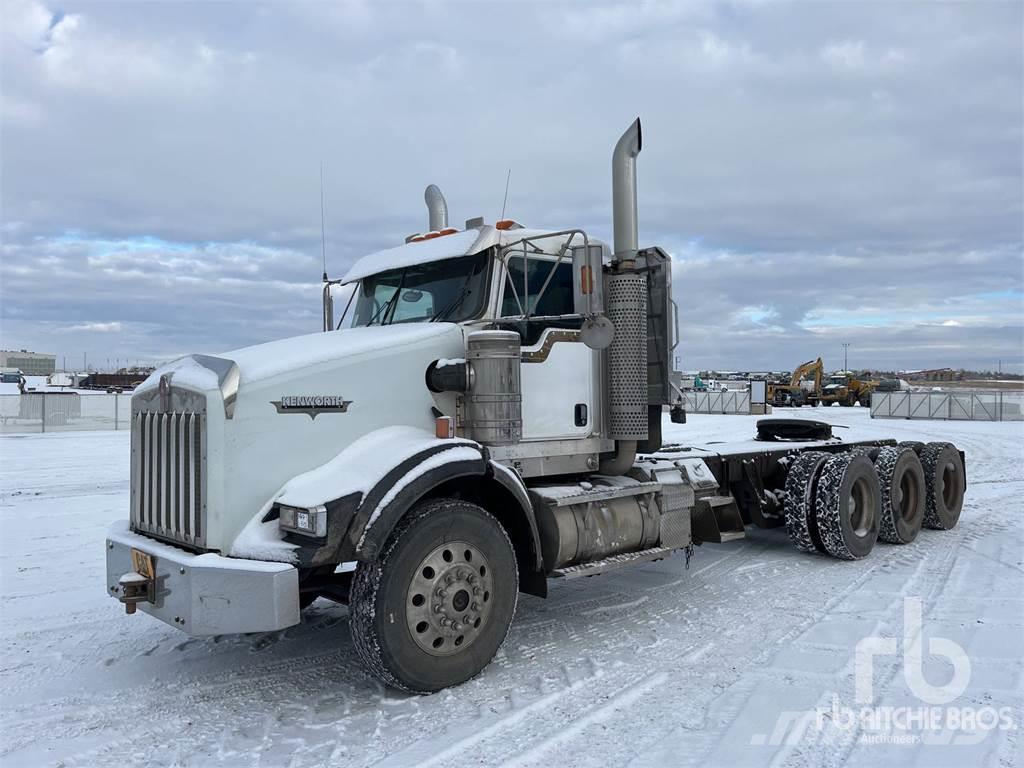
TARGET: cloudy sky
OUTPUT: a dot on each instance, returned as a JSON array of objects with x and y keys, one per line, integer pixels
[{"x": 821, "y": 172}]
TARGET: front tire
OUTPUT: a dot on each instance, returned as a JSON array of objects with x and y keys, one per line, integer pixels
[{"x": 434, "y": 608}]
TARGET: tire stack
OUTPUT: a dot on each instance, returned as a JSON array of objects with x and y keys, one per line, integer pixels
[{"x": 840, "y": 504}]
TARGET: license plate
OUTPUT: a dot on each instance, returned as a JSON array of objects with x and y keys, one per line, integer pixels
[{"x": 142, "y": 564}]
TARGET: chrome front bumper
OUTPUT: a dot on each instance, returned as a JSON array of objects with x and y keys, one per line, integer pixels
[{"x": 203, "y": 594}]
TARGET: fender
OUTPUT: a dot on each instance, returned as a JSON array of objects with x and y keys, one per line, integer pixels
[
  {"x": 403, "y": 486},
  {"x": 424, "y": 473},
  {"x": 359, "y": 521}
]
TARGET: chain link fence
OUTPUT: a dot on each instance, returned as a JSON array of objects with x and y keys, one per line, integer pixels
[
  {"x": 967, "y": 405},
  {"x": 35, "y": 412},
  {"x": 734, "y": 401}
]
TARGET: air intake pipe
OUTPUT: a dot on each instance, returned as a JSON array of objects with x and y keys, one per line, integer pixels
[{"x": 437, "y": 208}]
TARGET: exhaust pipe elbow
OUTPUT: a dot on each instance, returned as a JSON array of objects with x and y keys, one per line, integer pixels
[
  {"x": 624, "y": 208},
  {"x": 437, "y": 208}
]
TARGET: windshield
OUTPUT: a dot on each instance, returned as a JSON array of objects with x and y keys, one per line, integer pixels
[{"x": 451, "y": 290}]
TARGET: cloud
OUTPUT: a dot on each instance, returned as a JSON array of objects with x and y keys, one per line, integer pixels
[
  {"x": 113, "y": 327},
  {"x": 805, "y": 164}
]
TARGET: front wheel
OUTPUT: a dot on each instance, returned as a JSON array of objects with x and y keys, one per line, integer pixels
[{"x": 434, "y": 608}]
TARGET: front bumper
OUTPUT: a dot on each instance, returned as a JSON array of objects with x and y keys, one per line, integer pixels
[{"x": 206, "y": 594}]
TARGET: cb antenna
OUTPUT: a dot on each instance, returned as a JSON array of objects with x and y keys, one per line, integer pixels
[
  {"x": 504, "y": 202},
  {"x": 323, "y": 231}
]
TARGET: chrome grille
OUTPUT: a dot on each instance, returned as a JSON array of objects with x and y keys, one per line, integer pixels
[{"x": 168, "y": 475}]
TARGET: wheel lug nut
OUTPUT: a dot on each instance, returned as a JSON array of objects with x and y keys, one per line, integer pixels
[
  {"x": 444, "y": 621},
  {"x": 449, "y": 579},
  {"x": 441, "y": 592},
  {"x": 456, "y": 626},
  {"x": 437, "y": 608},
  {"x": 476, "y": 590},
  {"x": 475, "y": 607}
]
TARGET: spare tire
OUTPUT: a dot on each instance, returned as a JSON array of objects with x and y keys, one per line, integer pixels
[
  {"x": 847, "y": 506},
  {"x": 946, "y": 482},
  {"x": 793, "y": 429},
  {"x": 801, "y": 484},
  {"x": 902, "y": 484}
]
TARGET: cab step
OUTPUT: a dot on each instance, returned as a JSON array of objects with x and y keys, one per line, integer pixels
[{"x": 611, "y": 563}]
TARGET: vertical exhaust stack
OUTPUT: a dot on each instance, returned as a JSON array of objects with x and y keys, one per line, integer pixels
[
  {"x": 437, "y": 208},
  {"x": 626, "y": 296},
  {"x": 624, "y": 212}
]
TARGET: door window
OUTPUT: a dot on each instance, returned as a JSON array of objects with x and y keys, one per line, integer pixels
[{"x": 557, "y": 298}]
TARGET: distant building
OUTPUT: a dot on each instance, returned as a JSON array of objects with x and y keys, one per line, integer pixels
[{"x": 30, "y": 363}]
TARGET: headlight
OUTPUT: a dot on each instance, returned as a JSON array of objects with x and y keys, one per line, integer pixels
[{"x": 309, "y": 521}]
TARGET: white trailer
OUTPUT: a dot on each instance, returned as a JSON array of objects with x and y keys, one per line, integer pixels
[{"x": 488, "y": 419}]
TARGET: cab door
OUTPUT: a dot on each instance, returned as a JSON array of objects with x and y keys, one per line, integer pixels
[{"x": 557, "y": 370}]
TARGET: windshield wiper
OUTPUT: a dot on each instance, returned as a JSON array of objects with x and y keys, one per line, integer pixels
[
  {"x": 386, "y": 307},
  {"x": 454, "y": 303}
]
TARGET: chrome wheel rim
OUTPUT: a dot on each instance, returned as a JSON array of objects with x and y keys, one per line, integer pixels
[{"x": 449, "y": 599}]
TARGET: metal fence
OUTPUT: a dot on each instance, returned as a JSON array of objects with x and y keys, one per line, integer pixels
[
  {"x": 63, "y": 412},
  {"x": 717, "y": 402},
  {"x": 967, "y": 405}
]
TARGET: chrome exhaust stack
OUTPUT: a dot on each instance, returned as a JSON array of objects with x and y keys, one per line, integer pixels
[
  {"x": 626, "y": 296},
  {"x": 437, "y": 208},
  {"x": 624, "y": 211}
]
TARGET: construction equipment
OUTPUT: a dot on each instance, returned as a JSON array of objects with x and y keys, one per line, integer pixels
[
  {"x": 804, "y": 387},
  {"x": 489, "y": 418},
  {"x": 847, "y": 390}
]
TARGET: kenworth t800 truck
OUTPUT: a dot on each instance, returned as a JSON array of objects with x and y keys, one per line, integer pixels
[{"x": 488, "y": 419}]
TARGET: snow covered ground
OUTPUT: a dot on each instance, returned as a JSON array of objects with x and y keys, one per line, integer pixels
[{"x": 653, "y": 665}]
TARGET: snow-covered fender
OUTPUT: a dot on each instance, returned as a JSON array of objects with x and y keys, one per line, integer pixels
[
  {"x": 374, "y": 481},
  {"x": 470, "y": 473}
]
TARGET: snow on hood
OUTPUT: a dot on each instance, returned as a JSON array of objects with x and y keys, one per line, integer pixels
[
  {"x": 276, "y": 357},
  {"x": 186, "y": 372}
]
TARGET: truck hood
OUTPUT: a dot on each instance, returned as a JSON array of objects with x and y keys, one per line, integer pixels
[
  {"x": 281, "y": 409},
  {"x": 300, "y": 353}
]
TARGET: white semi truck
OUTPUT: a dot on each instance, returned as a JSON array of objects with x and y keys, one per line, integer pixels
[{"x": 488, "y": 419}]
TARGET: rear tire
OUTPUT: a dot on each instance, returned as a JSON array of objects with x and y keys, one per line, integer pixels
[
  {"x": 801, "y": 484},
  {"x": 847, "y": 506},
  {"x": 901, "y": 481},
  {"x": 945, "y": 482},
  {"x": 914, "y": 445},
  {"x": 436, "y": 605}
]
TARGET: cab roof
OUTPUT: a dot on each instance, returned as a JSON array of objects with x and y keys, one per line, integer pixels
[{"x": 452, "y": 246}]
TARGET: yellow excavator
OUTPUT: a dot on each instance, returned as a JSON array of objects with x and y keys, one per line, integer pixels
[{"x": 794, "y": 392}]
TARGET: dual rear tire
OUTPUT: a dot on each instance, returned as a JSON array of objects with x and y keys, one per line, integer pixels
[
  {"x": 841, "y": 504},
  {"x": 847, "y": 506}
]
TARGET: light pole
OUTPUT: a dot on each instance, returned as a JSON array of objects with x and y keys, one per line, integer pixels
[{"x": 846, "y": 365}]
